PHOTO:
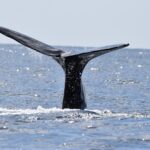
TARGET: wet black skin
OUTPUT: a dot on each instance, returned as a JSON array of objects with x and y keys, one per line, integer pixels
[
  {"x": 73, "y": 65},
  {"x": 74, "y": 93}
]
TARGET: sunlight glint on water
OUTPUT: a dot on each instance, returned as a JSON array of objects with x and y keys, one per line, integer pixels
[{"x": 117, "y": 93}]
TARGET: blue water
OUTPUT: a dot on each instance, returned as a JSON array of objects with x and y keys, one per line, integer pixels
[{"x": 117, "y": 89}]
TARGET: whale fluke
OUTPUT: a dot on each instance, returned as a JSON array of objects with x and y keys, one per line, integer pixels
[
  {"x": 31, "y": 42},
  {"x": 72, "y": 64}
]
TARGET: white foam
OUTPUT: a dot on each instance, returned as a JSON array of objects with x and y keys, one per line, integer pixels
[
  {"x": 39, "y": 110},
  {"x": 71, "y": 112},
  {"x": 108, "y": 113}
]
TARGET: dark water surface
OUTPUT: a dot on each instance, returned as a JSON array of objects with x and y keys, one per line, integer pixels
[{"x": 117, "y": 91}]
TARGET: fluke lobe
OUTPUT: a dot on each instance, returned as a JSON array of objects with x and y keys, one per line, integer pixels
[{"x": 73, "y": 65}]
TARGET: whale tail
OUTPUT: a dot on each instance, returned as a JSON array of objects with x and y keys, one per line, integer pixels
[
  {"x": 73, "y": 65},
  {"x": 58, "y": 54}
]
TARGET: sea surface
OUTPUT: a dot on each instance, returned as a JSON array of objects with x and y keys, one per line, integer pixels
[{"x": 117, "y": 89}]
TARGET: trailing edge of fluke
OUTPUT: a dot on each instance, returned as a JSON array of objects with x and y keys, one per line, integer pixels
[{"x": 73, "y": 65}]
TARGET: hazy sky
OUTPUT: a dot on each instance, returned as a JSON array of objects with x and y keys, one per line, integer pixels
[{"x": 79, "y": 22}]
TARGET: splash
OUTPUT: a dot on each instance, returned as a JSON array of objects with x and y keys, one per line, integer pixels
[
  {"x": 39, "y": 110},
  {"x": 74, "y": 113}
]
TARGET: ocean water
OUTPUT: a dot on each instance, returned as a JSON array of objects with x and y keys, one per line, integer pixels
[{"x": 117, "y": 89}]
